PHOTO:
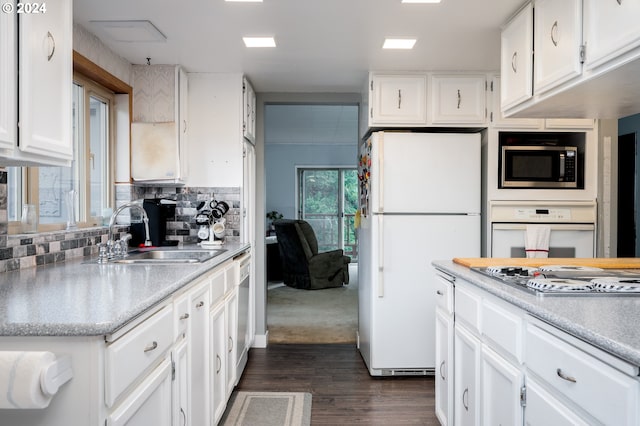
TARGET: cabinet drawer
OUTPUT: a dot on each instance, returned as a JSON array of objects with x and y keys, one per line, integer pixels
[
  {"x": 467, "y": 305},
  {"x": 129, "y": 356},
  {"x": 602, "y": 391},
  {"x": 180, "y": 316},
  {"x": 503, "y": 327},
  {"x": 217, "y": 287},
  {"x": 444, "y": 293}
]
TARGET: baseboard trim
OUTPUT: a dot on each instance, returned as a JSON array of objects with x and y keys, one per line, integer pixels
[{"x": 261, "y": 340}]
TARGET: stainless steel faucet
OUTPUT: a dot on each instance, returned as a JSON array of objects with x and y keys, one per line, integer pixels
[{"x": 110, "y": 251}]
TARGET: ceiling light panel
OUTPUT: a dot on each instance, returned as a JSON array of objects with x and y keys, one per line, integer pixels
[
  {"x": 259, "y": 41},
  {"x": 130, "y": 31},
  {"x": 245, "y": 1},
  {"x": 420, "y": 1},
  {"x": 399, "y": 43}
]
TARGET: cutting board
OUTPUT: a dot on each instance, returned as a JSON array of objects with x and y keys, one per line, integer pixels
[{"x": 600, "y": 262}]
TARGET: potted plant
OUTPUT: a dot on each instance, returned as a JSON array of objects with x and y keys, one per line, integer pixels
[{"x": 272, "y": 216}]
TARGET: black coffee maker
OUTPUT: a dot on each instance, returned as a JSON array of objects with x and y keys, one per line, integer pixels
[{"x": 158, "y": 210}]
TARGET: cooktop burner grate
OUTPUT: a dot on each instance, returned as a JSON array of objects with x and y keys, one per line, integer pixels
[
  {"x": 559, "y": 284},
  {"x": 616, "y": 284}
]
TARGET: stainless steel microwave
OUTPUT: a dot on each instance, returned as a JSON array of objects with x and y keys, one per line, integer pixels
[{"x": 529, "y": 166}]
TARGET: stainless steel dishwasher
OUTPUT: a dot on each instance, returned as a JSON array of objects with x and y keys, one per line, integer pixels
[{"x": 243, "y": 306}]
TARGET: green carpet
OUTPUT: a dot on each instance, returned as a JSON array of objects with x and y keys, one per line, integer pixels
[
  {"x": 313, "y": 316},
  {"x": 268, "y": 409}
]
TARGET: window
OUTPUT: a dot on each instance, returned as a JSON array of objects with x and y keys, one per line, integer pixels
[{"x": 89, "y": 175}]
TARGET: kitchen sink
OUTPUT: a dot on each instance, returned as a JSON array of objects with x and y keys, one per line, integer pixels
[{"x": 163, "y": 256}]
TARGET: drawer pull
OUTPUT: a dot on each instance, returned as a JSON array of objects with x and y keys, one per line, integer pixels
[
  {"x": 465, "y": 403},
  {"x": 439, "y": 293},
  {"x": 565, "y": 377},
  {"x": 441, "y": 366},
  {"x": 200, "y": 304},
  {"x": 151, "y": 347},
  {"x": 184, "y": 316}
]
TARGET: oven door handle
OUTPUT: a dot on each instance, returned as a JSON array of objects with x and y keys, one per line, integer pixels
[{"x": 553, "y": 226}]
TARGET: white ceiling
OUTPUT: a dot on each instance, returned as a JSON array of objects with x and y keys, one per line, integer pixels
[{"x": 322, "y": 45}]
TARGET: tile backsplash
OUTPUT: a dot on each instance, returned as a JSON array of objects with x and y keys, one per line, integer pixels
[{"x": 27, "y": 250}]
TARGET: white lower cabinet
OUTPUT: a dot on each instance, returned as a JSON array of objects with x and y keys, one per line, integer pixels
[
  {"x": 199, "y": 354},
  {"x": 502, "y": 383},
  {"x": 181, "y": 400},
  {"x": 218, "y": 361},
  {"x": 231, "y": 320},
  {"x": 444, "y": 367},
  {"x": 149, "y": 403},
  {"x": 512, "y": 369},
  {"x": 466, "y": 377}
]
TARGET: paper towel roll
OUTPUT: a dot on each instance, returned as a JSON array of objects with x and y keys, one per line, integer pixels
[{"x": 20, "y": 377}]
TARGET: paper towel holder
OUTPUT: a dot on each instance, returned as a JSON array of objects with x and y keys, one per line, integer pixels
[{"x": 56, "y": 374}]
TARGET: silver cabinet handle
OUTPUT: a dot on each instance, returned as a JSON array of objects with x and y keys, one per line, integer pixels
[
  {"x": 219, "y": 362},
  {"x": 52, "y": 45},
  {"x": 230, "y": 344},
  {"x": 184, "y": 416},
  {"x": 399, "y": 98},
  {"x": 459, "y": 98},
  {"x": 565, "y": 377},
  {"x": 554, "y": 33},
  {"x": 439, "y": 293},
  {"x": 151, "y": 347},
  {"x": 184, "y": 122},
  {"x": 465, "y": 403},
  {"x": 441, "y": 366},
  {"x": 184, "y": 316},
  {"x": 200, "y": 304},
  {"x": 514, "y": 62}
]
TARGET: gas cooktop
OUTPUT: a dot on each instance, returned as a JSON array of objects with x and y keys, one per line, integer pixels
[{"x": 565, "y": 280}]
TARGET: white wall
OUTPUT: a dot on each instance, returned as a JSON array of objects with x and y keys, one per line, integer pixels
[{"x": 92, "y": 48}]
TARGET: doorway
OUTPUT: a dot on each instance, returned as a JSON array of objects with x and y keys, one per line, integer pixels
[
  {"x": 327, "y": 199},
  {"x": 627, "y": 195}
]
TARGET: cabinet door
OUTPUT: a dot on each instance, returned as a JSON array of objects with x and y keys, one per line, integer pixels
[
  {"x": 516, "y": 59},
  {"x": 466, "y": 378},
  {"x": 149, "y": 403},
  {"x": 543, "y": 409},
  {"x": 218, "y": 361},
  {"x": 249, "y": 111},
  {"x": 558, "y": 36},
  {"x": 231, "y": 318},
  {"x": 8, "y": 81},
  {"x": 610, "y": 29},
  {"x": 181, "y": 413},
  {"x": 458, "y": 99},
  {"x": 501, "y": 385},
  {"x": 444, "y": 366},
  {"x": 499, "y": 121},
  {"x": 183, "y": 120},
  {"x": 199, "y": 354},
  {"x": 45, "y": 84},
  {"x": 398, "y": 99}
]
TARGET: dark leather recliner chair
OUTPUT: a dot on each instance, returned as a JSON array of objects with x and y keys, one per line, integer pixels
[{"x": 302, "y": 266}]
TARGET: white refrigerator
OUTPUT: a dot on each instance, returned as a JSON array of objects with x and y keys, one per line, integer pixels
[{"x": 419, "y": 200}]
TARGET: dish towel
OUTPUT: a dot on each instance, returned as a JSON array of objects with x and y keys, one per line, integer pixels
[
  {"x": 20, "y": 379},
  {"x": 536, "y": 240}
]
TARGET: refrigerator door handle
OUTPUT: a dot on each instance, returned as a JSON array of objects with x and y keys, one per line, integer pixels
[{"x": 380, "y": 257}]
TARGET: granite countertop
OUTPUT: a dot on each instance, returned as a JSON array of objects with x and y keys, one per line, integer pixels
[
  {"x": 75, "y": 298},
  {"x": 607, "y": 322}
]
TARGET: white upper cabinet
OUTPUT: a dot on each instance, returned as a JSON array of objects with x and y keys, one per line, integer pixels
[
  {"x": 159, "y": 130},
  {"x": 458, "y": 99},
  {"x": 249, "y": 111},
  {"x": 611, "y": 29},
  {"x": 516, "y": 59},
  {"x": 8, "y": 81},
  {"x": 557, "y": 40},
  {"x": 397, "y": 100},
  {"x": 496, "y": 117},
  {"x": 40, "y": 46}
]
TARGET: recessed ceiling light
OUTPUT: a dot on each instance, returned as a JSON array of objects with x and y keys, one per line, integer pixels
[
  {"x": 130, "y": 31},
  {"x": 246, "y": 1},
  {"x": 259, "y": 41},
  {"x": 417, "y": 1},
  {"x": 399, "y": 43}
]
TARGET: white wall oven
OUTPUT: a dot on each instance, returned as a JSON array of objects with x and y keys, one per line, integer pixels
[{"x": 572, "y": 227}]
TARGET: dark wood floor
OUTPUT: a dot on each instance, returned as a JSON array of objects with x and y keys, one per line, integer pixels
[{"x": 343, "y": 391}]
